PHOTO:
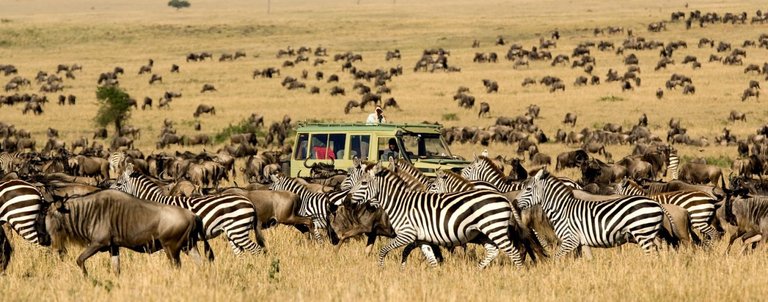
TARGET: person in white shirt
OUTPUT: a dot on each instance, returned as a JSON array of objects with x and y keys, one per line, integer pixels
[{"x": 376, "y": 117}]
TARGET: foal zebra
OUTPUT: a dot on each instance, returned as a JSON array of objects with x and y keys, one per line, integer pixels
[
  {"x": 313, "y": 204},
  {"x": 230, "y": 214},
  {"x": 454, "y": 219},
  {"x": 20, "y": 206},
  {"x": 700, "y": 206},
  {"x": 593, "y": 224}
]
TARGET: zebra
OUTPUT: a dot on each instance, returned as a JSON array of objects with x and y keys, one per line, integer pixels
[
  {"x": 580, "y": 223},
  {"x": 454, "y": 219},
  {"x": 700, "y": 205},
  {"x": 483, "y": 169},
  {"x": 9, "y": 161},
  {"x": 313, "y": 204},
  {"x": 116, "y": 161},
  {"x": 673, "y": 163},
  {"x": 230, "y": 214},
  {"x": 21, "y": 206}
]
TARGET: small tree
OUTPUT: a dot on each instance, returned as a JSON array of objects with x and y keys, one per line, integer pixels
[
  {"x": 178, "y": 4},
  {"x": 114, "y": 107}
]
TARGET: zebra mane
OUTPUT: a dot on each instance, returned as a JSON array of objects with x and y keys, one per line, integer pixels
[
  {"x": 457, "y": 177},
  {"x": 493, "y": 167},
  {"x": 413, "y": 182},
  {"x": 152, "y": 186},
  {"x": 394, "y": 176},
  {"x": 409, "y": 169}
]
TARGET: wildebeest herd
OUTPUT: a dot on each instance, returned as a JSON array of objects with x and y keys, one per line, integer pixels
[{"x": 107, "y": 198}]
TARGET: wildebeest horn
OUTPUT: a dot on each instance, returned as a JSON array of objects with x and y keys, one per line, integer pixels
[
  {"x": 333, "y": 162},
  {"x": 305, "y": 163}
]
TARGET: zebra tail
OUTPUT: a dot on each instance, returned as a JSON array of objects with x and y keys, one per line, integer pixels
[
  {"x": 670, "y": 236},
  {"x": 200, "y": 233},
  {"x": 5, "y": 251}
]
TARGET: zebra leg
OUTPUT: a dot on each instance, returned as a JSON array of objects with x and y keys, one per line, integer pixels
[
  {"x": 404, "y": 236},
  {"x": 406, "y": 252},
  {"x": 490, "y": 253},
  {"x": 317, "y": 225},
  {"x": 568, "y": 245},
  {"x": 236, "y": 249},
  {"x": 429, "y": 254}
]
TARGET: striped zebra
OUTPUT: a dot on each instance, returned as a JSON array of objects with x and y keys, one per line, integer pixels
[
  {"x": 404, "y": 166},
  {"x": 580, "y": 223},
  {"x": 673, "y": 164},
  {"x": 700, "y": 206},
  {"x": 20, "y": 206},
  {"x": 453, "y": 219},
  {"x": 116, "y": 161},
  {"x": 313, "y": 204},
  {"x": 484, "y": 169},
  {"x": 9, "y": 161},
  {"x": 230, "y": 214}
]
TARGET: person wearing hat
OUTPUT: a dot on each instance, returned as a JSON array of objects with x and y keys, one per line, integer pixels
[{"x": 376, "y": 117}]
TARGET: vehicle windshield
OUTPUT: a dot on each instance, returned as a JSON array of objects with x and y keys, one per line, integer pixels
[{"x": 425, "y": 146}]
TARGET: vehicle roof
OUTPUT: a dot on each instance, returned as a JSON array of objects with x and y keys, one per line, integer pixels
[{"x": 362, "y": 127}]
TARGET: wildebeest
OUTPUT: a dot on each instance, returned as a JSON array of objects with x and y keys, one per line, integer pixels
[
  {"x": 750, "y": 92},
  {"x": 571, "y": 159},
  {"x": 203, "y": 108},
  {"x": 207, "y": 87},
  {"x": 108, "y": 220},
  {"x": 484, "y": 109},
  {"x": 737, "y": 116},
  {"x": 696, "y": 173},
  {"x": 570, "y": 118}
]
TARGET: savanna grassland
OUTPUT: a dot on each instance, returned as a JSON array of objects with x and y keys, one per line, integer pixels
[{"x": 39, "y": 34}]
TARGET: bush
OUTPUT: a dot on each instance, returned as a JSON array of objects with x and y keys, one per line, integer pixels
[
  {"x": 450, "y": 117},
  {"x": 179, "y": 4},
  {"x": 114, "y": 107},
  {"x": 243, "y": 126}
]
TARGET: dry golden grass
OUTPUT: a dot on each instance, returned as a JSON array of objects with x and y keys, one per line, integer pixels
[{"x": 39, "y": 34}]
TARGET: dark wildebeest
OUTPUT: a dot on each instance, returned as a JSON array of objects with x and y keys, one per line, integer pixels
[
  {"x": 696, "y": 173},
  {"x": 203, "y": 108},
  {"x": 737, "y": 116},
  {"x": 275, "y": 207},
  {"x": 207, "y": 87},
  {"x": 484, "y": 109},
  {"x": 571, "y": 159},
  {"x": 108, "y": 220},
  {"x": 570, "y": 118}
]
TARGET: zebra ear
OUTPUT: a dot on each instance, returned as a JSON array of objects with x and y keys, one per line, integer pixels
[
  {"x": 392, "y": 164},
  {"x": 542, "y": 174},
  {"x": 356, "y": 162}
]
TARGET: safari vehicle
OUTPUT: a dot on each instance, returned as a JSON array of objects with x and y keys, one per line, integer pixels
[{"x": 339, "y": 144}]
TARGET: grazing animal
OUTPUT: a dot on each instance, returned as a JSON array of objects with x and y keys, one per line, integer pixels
[
  {"x": 696, "y": 173},
  {"x": 579, "y": 223},
  {"x": 484, "y": 109},
  {"x": 570, "y": 118},
  {"x": 314, "y": 204},
  {"x": 108, "y": 220},
  {"x": 203, "y": 108},
  {"x": 207, "y": 87}
]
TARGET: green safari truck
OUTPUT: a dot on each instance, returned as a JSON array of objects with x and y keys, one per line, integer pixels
[{"x": 421, "y": 144}]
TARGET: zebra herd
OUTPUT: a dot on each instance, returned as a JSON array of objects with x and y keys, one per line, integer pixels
[{"x": 476, "y": 205}]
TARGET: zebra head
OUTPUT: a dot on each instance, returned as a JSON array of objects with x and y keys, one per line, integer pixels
[
  {"x": 532, "y": 194},
  {"x": 123, "y": 180},
  {"x": 439, "y": 185},
  {"x": 279, "y": 182},
  {"x": 355, "y": 174},
  {"x": 470, "y": 171},
  {"x": 366, "y": 190}
]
